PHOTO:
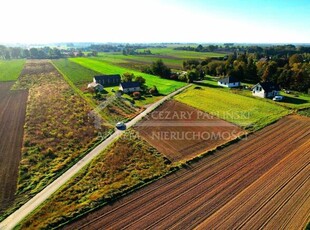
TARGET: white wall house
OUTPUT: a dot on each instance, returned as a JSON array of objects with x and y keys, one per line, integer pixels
[
  {"x": 129, "y": 87},
  {"x": 95, "y": 86},
  {"x": 229, "y": 82},
  {"x": 265, "y": 90}
]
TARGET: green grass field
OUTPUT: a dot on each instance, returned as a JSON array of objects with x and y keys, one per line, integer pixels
[
  {"x": 10, "y": 70},
  {"x": 78, "y": 74},
  {"x": 163, "y": 85},
  {"x": 246, "y": 112}
]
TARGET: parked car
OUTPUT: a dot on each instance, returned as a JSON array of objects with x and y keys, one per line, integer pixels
[{"x": 278, "y": 98}]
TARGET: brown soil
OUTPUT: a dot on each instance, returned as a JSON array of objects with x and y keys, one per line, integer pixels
[
  {"x": 259, "y": 182},
  {"x": 12, "y": 119},
  {"x": 181, "y": 132}
]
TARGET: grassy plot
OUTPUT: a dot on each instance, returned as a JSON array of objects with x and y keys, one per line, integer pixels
[
  {"x": 163, "y": 85},
  {"x": 247, "y": 112},
  {"x": 79, "y": 75},
  {"x": 11, "y": 69},
  {"x": 127, "y": 164}
]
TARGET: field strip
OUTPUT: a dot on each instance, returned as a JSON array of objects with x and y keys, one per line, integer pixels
[
  {"x": 11, "y": 221},
  {"x": 257, "y": 195}
]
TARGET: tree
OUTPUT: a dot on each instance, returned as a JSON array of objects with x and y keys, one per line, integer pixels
[
  {"x": 295, "y": 58},
  {"x": 128, "y": 77},
  {"x": 160, "y": 69},
  {"x": 251, "y": 71},
  {"x": 270, "y": 70},
  {"x": 154, "y": 91},
  {"x": 192, "y": 76},
  {"x": 140, "y": 79}
]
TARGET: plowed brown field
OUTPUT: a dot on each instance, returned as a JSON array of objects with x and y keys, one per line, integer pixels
[
  {"x": 259, "y": 182},
  {"x": 181, "y": 132},
  {"x": 12, "y": 119}
]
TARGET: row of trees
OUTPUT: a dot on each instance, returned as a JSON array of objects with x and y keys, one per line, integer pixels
[
  {"x": 7, "y": 53},
  {"x": 278, "y": 50},
  {"x": 290, "y": 73}
]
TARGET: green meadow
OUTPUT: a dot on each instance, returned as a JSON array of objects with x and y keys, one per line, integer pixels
[
  {"x": 163, "y": 85},
  {"x": 78, "y": 74},
  {"x": 249, "y": 113},
  {"x": 11, "y": 69}
]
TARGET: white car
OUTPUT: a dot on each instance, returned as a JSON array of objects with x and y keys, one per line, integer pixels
[
  {"x": 120, "y": 125},
  {"x": 278, "y": 98}
]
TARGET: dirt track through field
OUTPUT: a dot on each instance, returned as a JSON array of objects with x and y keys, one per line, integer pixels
[
  {"x": 259, "y": 182},
  {"x": 12, "y": 119}
]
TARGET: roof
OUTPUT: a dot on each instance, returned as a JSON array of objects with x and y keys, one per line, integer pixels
[
  {"x": 269, "y": 86},
  {"x": 127, "y": 85},
  {"x": 105, "y": 77},
  {"x": 93, "y": 85},
  {"x": 229, "y": 79}
]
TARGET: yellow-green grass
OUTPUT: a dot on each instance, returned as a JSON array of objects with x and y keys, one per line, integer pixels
[
  {"x": 125, "y": 165},
  {"x": 78, "y": 74},
  {"x": 164, "y": 86},
  {"x": 11, "y": 69},
  {"x": 246, "y": 112}
]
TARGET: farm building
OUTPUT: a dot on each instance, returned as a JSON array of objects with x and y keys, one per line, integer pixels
[
  {"x": 265, "y": 89},
  {"x": 95, "y": 86},
  {"x": 107, "y": 80},
  {"x": 129, "y": 87},
  {"x": 229, "y": 82}
]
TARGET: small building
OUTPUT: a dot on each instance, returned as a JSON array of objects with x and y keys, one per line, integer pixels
[
  {"x": 265, "y": 90},
  {"x": 95, "y": 86},
  {"x": 108, "y": 80},
  {"x": 129, "y": 87},
  {"x": 229, "y": 82}
]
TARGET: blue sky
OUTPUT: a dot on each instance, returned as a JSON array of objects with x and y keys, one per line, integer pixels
[{"x": 200, "y": 21}]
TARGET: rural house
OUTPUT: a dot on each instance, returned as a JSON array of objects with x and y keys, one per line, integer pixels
[
  {"x": 265, "y": 89},
  {"x": 229, "y": 82},
  {"x": 107, "y": 80},
  {"x": 129, "y": 87},
  {"x": 95, "y": 86}
]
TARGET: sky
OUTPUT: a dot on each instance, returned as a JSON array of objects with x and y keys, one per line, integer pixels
[{"x": 155, "y": 21}]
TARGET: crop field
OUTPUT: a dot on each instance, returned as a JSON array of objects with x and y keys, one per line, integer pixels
[
  {"x": 244, "y": 111},
  {"x": 163, "y": 85},
  {"x": 183, "y": 54},
  {"x": 128, "y": 163},
  {"x": 58, "y": 128},
  {"x": 10, "y": 70},
  {"x": 259, "y": 182},
  {"x": 12, "y": 118},
  {"x": 181, "y": 132},
  {"x": 172, "y": 58},
  {"x": 79, "y": 75}
]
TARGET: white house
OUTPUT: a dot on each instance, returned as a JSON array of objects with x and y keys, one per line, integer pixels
[
  {"x": 229, "y": 82},
  {"x": 95, "y": 86},
  {"x": 129, "y": 87},
  {"x": 265, "y": 90}
]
